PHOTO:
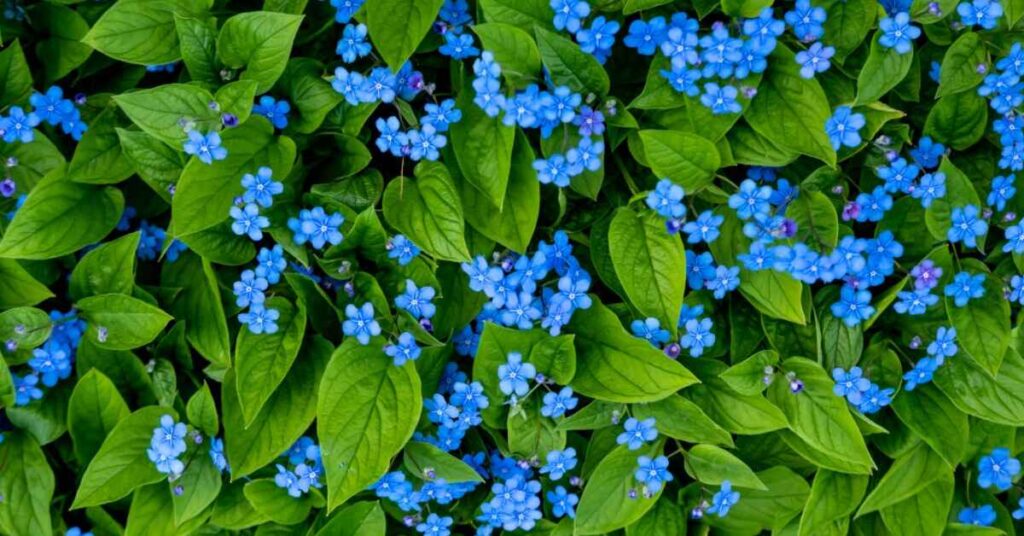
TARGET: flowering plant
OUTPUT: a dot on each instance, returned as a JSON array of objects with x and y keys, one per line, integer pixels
[{"x": 511, "y": 266}]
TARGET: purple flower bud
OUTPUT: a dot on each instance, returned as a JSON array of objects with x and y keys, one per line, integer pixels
[
  {"x": 697, "y": 513},
  {"x": 935, "y": 9},
  {"x": 850, "y": 211},
  {"x": 981, "y": 68},
  {"x": 540, "y": 378},
  {"x": 788, "y": 228},
  {"x": 171, "y": 189},
  {"x": 8, "y": 187},
  {"x": 229, "y": 120},
  {"x": 440, "y": 27},
  {"x": 749, "y": 92},
  {"x": 350, "y": 289},
  {"x": 524, "y": 464},
  {"x": 11, "y": 345},
  {"x": 616, "y": 416},
  {"x": 197, "y": 437},
  {"x": 674, "y": 225},
  {"x": 915, "y": 342},
  {"x": 390, "y": 245},
  {"x": 80, "y": 99},
  {"x": 508, "y": 262},
  {"x": 795, "y": 385},
  {"x": 20, "y": 329},
  {"x": 647, "y": 493},
  {"x": 427, "y": 325},
  {"x": 12, "y": 161},
  {"x": 891, "y": 155},
  {"x": 575, "y": 481},
  {"x": 673, "y": 350},
  {"x": 986, "y": 213},
  {"x": 632, "y": 493},
  {"x": 409, "y": 521},
  {"x": 884, "y": 140},
  {"x": 429, "y": 473},
  {"x": 1009, "y": 216},
  {"x": 102, "y": 334},
  {"x": 213, "y": 105},
  {"x": 179, "y": 490},
  {"x": 416, "y": 80},
  {"x": 838, "y": 189}
]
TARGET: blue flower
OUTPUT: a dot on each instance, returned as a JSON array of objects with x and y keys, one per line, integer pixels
[
  {"x": 720, "y": 100},
  {"x": 650, "y": 329},
  {"x": 554, "y": 169},
  {"x": 169, "y": 436},
  {"x": 259, "y": 319},
  {"x": 25, "y": 390},
  {"x": 1016, "y": 290},
  {"x": 854, "y": 306},
  {"x": 667, "y": 200},
  {"x": 590, "y": 121},
  {"x": 759, "y": 257},
  {"x": 966, "y": 226},
  {"x": 874, "y": 399},
  {"x": 699, "y": 269},
  {"x": 683, "y": 80},
  {"x": 72, "y": 125},
  {"x": 751, "y": 61},
  {"x": 51, "y": 107},
  {"x": 680, "y": 46},
  {"x": 559, "y": 462},
  {"x": 721, "y": 52},
  {"x": 488, "y": 94},
  {"x": 562, "y": 503},
  {"x": 316, "y": 227},
  {"x": 724, "y": 500},
  {"x": 928, "y": 153},
  {"x": 417, "y": 300},
  {"x": 637, "y": 432},
  {"x": 360, "y": 323},
  {"x": 915, "y": 302},
  {"x": 921, "y": 373},
  {"x": 405, "y": 349},
  {"x": 652, "y": 473},
  {"x": 271, "y": 264},
  {"x": 514, "y": 375},
  {"x": 297, "y": 452},
  {"x": 704, "y": 228},
  {"x": 764, "y": 30},
  {"x": 599, "y": 38},
  {"x": 18, "y": 125},
  {"x": 1001, "y": 192},
  {"x": 249, "y": 289},
  {"x": 352, "y": 44},
  {"x": 248, "y": 221},
  {"x": 814, "y": 60},
  {"x": 261, "y": 188},
  {"x": 442, "y": 115},
  {"x": 586, "y": 156},
  {"x": 965, "y": 287},
  {"x": 726, "y": 279},
  {"x": 873, "y": 206},
  {"x": 456, "y": 14},
  {"x": 569, "y": 14},
  {"x": 944, "y": 344},
  {"x": 274, "y": 110},
  {"x": 435, "y": 526},
  {"x": 806, "y": 21},
  {"x": 984, "y": 13},
  {"x": 51, "y": 363},
  {"x": 165, "y": 463},
  {"x": 931, "y": 187},
  {"x": 521, "y": 310},
  {"x": 698, "y": 336},
  {"x": 843, "y": 128},
  {"x": 206, "y": 148},
  {"x": 850, "y": 384},
  {"x": 983, "y": 516},
  {"x": 425, "y": 143},
  {"x": 898, "y": 33},
  {"x": 646, "y": 36},
  {"x": 751, "y": 199},
  {"x": 350, "y": 85},
  {"x": 379, "y": 86},
  {"x": 469, "y": 396},
  {"x": 898, "y": 175},
  {"x": 556, "y": 404},
  {"x": 345, "y": 9},
  {"x": 392, "y": 139},
  {"x": 481, "y": 275},
  {"x": 783, "y": 194},
  {"x": 401, "y": 248},
  {"x": 1018, "y": 514},
  {"x": 458, "y": 46},
  {"x": 573, "y": 291},
  {"x": 935, "y": 72},
  {"x": 998, "y": 469}
]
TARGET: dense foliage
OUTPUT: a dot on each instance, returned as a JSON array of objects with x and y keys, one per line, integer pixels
[{"x": 558, "y": 267}]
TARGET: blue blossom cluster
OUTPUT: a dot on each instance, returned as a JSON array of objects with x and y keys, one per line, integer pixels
[
  {"x": 997, "y": 469},
  {"x": 455, "y": 409},
  {"x": 50, "y": 108},
  {"x": 866, "y": 396},
  {"x": 1005, "y": 92},
  {"x": 250, "y": 291},
  {"x": 418, "y": 302},
  {"x": 260, "y": 190},
  {"x": 423, "y": 143},
  {"x": 452, "y": 22},
  {"x": 944, "y": 346},
  {"x": 308, "y": 467},
  {"x": 50, "y": 363},
  {"x": 513, "y": 286},
  {"x": 167, "y": 445}
]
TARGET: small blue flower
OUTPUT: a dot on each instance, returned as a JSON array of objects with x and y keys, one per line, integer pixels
[
  {"x": 559, "y": 462},
  {"x": 704, "y": 228},
  {"x": 898, "y": 33},
  {"x": 165, "y": 463},
  {"x": 481, "y": 275},
  {"x": 898, "y": 175},
  {"x": 637, "y": 432},
  {"x": 683, "y": 80},
  {"x": 345, "y": 9},
  {"x": 352, "y": 44},
  {"x": 51, "y": 363},
  {"x": 806, "y": 21},
  {"x": 391, "y": 139},
  {"x": 721, "y": 52},
  {"x": 874, "y": 399},
  {"x": 350, "y": 85},
  {"x": 556, "y": 404},
  {"x": 646, "y": 36},
  {"x": 521, "y": 310},
  {"x": 652, "y": 473},
  {"x": 1018, "y": 514},
  {"x": 921, "y": 373},
  {"x": 274, "y": 110},
  {"x": 873, "y": 206},
  {"x": 681, "y": 45},
  {"x": 554, "y": 169},
  {"x": 843, "y": 128},
  {"x": 261, "y": 188},
  {"x": 458, "y": 46},
  {"x": 1016, "y": 290},
  {"x": 18, "y": 125},
  {"x": 966, "y": 225},
  {"x": 764, "y": 30},
  {"x": 725, "y": 280},
  {"x": 206, "y": 148},
  {"x": 249, "y": 289},
  {"x": 720, "y": 100},
  {"x": 51, "y": 107},
  {"x": 405, "y": 349},
  {"x": 850, "y": 384},
  {"x": 435, "y": 526},
  {"x": 425, "y": 143},
  {"x": 998, "y": 469},
  {"x": 563, "y": 503},
  {"x": 569, "y": 14},
  {"x": 699, "y": 269},
  {"x": 360, "y": 323},
  {"x": 599, "y": 38},
  {"x": 698, "y": 336},
  {"x": 248, "y": 221},
  {"x": 944, "y": 344},
  {"x": 724, "y": 500},
  {"x": 417, "y": 300},
  {"x": 442, "y": 115},
  {"x": 915, "y": 302},
  {"x": 984, "y": 13},
  {"x": 667, "y": 200},
  {"x": 401, "y": 248},
  {"x": 650, "y": 329},
  {"x": 514, "y": 375},
  {"x": 854, "y": 306},
  {"x": 25, "y": 390},
  {"x": 965, "y": 287},
  {"x": 271, "y": 264},
  {"x": 931, "y": 187},
  {"x": 586, "y": 156},
  {"x": 169, "y": 436},
  {"x": 316, "y": 227},
  {"x": 260, "y": 319},
  {"x": 928, "y": 153},
  {"x": 1001, "y": 192},
  {"x": 379, "y": 86},
  {"x": 983, "y": 516}
]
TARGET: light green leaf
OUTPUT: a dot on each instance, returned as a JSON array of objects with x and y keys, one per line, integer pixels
[
  {"x": 94, "y": 409},
  {"x": 138, "y": 31},
  {"x": 419, "y": 457},
  {"x": 26, "y": 484},
  {"x": 397, "y": 27},
  {"x": 262, "y": 361},
  {"x": 834, "y": 496},
  {"x": 513, "y": 49},
  {"x": 428, "y": 211},
  {"x": 650, "y": 263},
  {"x": 274, "y": 502},
  {"x": 129, "y": 322},
  {"x": 923, "y": 514},
  {"x": 569, "y": 66},
  {"x": 197, "y": 38},
  {"x": 161, "y": 111},
  {"x": 687, "y": 159},
  {"x": 605, "y": 505},
  {"x": 958, "y": 120},
  {"x": 483, "y": 148},
  {"x": 98, "y": 157},
  {"x": 17, "y": 286},
  {"x": 200, "y": 484},
  {"x": 959, "y": 71},
  {"x": 260, "y": 41},
  {"x": 680, "y": 418},
  {"x": 884, "y": 70},
  {"x": 202, "y": 411},
  {"x": 199, "y": 305},
  {"x": 156, "y": 163},
  {"x": 907, "y": 476},
  {"x": 108, "y": 269},
  {"x": 714, "y": 465},
  {"x": 15, "y": 74},
  {"x": 356, "y": 519}
]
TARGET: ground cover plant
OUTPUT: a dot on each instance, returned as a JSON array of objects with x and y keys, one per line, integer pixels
[{"x": 628, "y": 267}]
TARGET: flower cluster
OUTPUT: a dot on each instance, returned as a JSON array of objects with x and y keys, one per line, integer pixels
[
  {"x": 167, "y": 445},
  {"x": 866, "y": 396},
  {"x": 51, "y": 362},
  {"x": 250, "y": 291},
  {"x": 308, "y": 467}
]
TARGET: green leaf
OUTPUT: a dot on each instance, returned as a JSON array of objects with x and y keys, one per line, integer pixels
[
  {"x": 94, "y": 409},
  {"x": 7, "y": 395},
  {"x": 197, "y": 37},
  {"x": 834, "y": 496},
  {"x": 816, "y": 220},
  {"x": 18, "y": 288},
  {"x": 138, "y": 31},
  {"x": 261, "y": 42},
  {"x": 15, "y": 74},
  {"x": 397, "y": 27},
  {"x": 367, "y": 410},
  {"x": 62, "y": 51},
  {"x": 766, "y": 510},
  {"x": 275, "y": 503},
  {"x": 513, "y": 224},
  {"x": 357, "y": 519},
  {"x": 419, "y": 457},
  {"x": 155, "y": 163},
  {"x": 819, "y": 417},
  {"x": 615, "y": 366},
  {"x": 205, "y": 192},
  {"x": 848, "y": 23},
  {"x": 554, "y": 357},
  {"x": 923, "y": 514},
  {"x": 199, "y": 305},
  {"x": 428, "y": 211},
  {"x": 200, "y": 484},
  {"x": 236, "y": 98},
  {"x": 262, "y": 361},
  {"x": 680, "y": 418},
  {"x": 958, "y": 120},
  {"x": 790, "y": 111},
  {"x": 907, "y": 476},
  {"x": 594, "y": 416},
  {"x": 522, "y": 13},
  {"x": 152, "y": 513},
  {"x": 959, "y": 71},
  {"x": 130, "y": 323},
  {"x": 160, "y": 111},
  {"x": 973, "y": 390},
  {"x": 202, "y": 411},
  {"x": 959, "y": 193},
  {"x": 665, "y": 519},
  {"x": 983, "y": 325},
  {"x": 931, "y": 415},
  {"x": 98, "y": 157},
  {"x": 121, "y": 465},
  {"x": 569, "y": 66},
  {"x": 744, "y": 8},
  {"x": 650, "y": 263},
  {"x": 284, "y": 417},
  {"x": 311, "y": 96},
  {"x": 483, "y": 148},
  {"x": 108, "y": 269},
  {"x": 747, "y": 376},
  {"x": 220, "y": 245},
  {"x": 26, "y": 483},
  {"x": 530, "y": 434},
  {"x": 687, "y": 159},
  {"x": 513, "y": 49},
  {"x": 884, "y": 70},
  {"x": 605, "y": 505},
  {"x": 737, "y": 413},
  {"x": 632, "y": 6},
  {"x": 60, "y": 217}
]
